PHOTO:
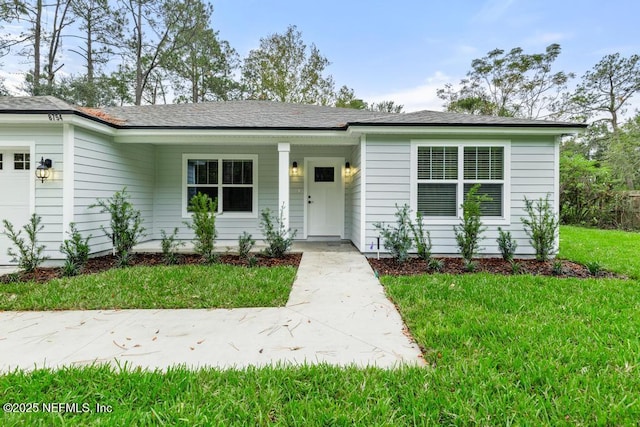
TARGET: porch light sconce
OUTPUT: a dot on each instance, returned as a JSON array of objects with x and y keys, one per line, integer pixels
[
  {"x": 347, "y": 169},
  {"x": 43, "y": 171},
  {"x": 294, "y": 168}
]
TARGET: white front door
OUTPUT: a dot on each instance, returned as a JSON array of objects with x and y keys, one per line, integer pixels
[
  {"x": 324, "y": 197},
  {"x": 15, "y": 174}
]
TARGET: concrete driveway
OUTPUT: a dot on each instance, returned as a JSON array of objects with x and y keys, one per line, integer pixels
[{"x": 337, "y": 313}]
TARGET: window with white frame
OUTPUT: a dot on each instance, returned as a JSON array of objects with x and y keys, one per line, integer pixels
[
  {"x": 229, "y": 179},
  {"x": 445, "y": 172},
  {"x": 21, "y": 161}
]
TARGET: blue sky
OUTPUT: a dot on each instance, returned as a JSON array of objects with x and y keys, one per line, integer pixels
[{"x": 405, "y": 49}]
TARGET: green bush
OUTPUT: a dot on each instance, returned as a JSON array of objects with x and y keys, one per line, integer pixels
[
  {"x": 278, "y": 238},
  {"x": 436, "y": 265},
  {"x": 541, "y": 226},
  {"x": 397, "y": 240},
  {"x": 170, "y": 246},
  {"x": 245, "y": 244},
  {"x": 468, "y": 233},
  {"x": 29, "y": 255},
  {"x": 203, "y": 223},
  {"x": 125, "y": 226},
  {"x": 506, "y": 244},
  {"x": 75, "y": 250},
  {"x": 421, "y": 237}
]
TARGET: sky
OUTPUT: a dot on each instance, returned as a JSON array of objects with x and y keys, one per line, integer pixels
[{"x": 404, "y": 50}]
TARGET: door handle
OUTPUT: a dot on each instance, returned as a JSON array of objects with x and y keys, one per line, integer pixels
[{"x": 310, "y": 201}]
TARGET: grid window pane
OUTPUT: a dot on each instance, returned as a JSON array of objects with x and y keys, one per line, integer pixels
[
  {"x": 483, "y": 163},
  {"x": 237, "y": 199},
  {"x": 492, "y": 207},
  {"x": 237, "y": 172},
  {"x": 21, "y": 161},
  {"x": 202, "y": 172},
  {"x": 437, "y": 163},
  {"x": 210, "y": 191},
  {"x": 437, "y": 199}
]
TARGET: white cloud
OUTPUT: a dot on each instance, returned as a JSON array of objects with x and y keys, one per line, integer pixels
[{"x": 422, "y": 97}]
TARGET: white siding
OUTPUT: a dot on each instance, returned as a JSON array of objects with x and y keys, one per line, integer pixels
[
  {"x": 103, "y": 167},
  {"x": 388, "y": 164},
  {"x": 352, "y": 202}
]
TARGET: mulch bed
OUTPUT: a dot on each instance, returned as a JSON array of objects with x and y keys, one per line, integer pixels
[
  {"x": 107, "y": 262},
  {"x": 388, "y": 266}
]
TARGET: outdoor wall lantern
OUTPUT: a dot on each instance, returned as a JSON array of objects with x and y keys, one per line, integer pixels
[
  {"x": 294, "y": 168},
  {"x": 347, "y": 169},
  {"x": 43, "y": 171}
]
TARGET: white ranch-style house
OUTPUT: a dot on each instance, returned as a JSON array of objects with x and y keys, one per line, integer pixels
[{"x": 336, "y": 171}]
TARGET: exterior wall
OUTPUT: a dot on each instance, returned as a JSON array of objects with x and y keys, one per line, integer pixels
[
  {"x": 44, "y": 141},
  {"x": 388, "y": 164},
  {"x": 353, "y": 197},
  {"x": 103, "y": 167},
  {"x": 168, "y": 189}
]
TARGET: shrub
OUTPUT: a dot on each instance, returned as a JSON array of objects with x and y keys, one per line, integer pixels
[
  {"x": 541, "y": 226},
  {"x": 203, "y": 223},
  {"x": 126, "y": 224},
  {"x": 594, "y": 268},
  {"x": 516, "y": 268},
  {"x": 436, "y": 265},
  {"x": 397, "y": 240},
  {"x": 556, "y": 269},
  {"x": 278, "y": 239},
  {"x": 469, "y": 232},
  {"x": 245, "y": 244},
  {"x": 421, "y": 238},
  {"x": 29, "y": 255},
  {"x": 506, "y": 244},
  {"x": 170, "y": 246},
  {"x": 75, "y": 250}
]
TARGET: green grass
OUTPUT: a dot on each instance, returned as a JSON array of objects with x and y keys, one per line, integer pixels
[
  {"x": 614, "y": 250},
  {"x": 190, "y": 286},
  {"x": 501, "y": 350}
]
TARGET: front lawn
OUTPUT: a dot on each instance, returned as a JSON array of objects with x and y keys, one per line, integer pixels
[{"x": 184, "y": 286}]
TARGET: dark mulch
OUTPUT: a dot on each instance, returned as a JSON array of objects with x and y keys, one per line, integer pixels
[
  {"x": 388, "y": 266},
  {"x": 107, "y": 262}
]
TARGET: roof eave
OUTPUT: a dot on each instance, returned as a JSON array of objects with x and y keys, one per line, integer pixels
[{"x": 446, "y": 128}]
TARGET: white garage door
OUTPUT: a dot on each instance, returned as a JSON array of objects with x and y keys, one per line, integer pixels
[{"x": 15, "y": 173}]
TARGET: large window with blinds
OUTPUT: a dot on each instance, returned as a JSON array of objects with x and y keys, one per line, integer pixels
[
  {"x": 229, "y": 179},
  {"x": 445, "y": 174}
]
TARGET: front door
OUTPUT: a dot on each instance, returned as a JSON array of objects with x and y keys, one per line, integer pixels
[
  {"x": 325, "y": 197},
  {"x": 15, "y": 174}
]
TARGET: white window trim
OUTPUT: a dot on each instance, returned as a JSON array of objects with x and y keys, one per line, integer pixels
[
  {"x": 506, "y": 196},
  {"x": 220, "y": 158}
]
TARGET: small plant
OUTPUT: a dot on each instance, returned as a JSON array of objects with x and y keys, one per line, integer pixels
[
  {"x": 436, "y": 265},
  {"x": 421, "y": 237},
  {"x": 470, "y": 266},
  {"x": 245, "y": 244},
  {"x": 253, "y": 261},
  {"x": 170, "y": 246},
  {"x": 279, "y": 239},
  {"x": 556, "y": 268},
  {"x": 541, "y": 226},
  {"x": 516, "y": 268},
  {"x": 506, "y": 244},
  {"x": 29, "y": 255},
  {"x": 397, "y": 240},
  {"x": 469, "y": 231},
  {"x": 203, "y": 223},
  {"x": 594, "y": 268},
  {"x": 76, "y": 252},
  {"x": 125, "y": 227}
]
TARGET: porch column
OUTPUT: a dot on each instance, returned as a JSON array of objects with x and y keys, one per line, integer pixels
[{"x": 283, "y": 181}]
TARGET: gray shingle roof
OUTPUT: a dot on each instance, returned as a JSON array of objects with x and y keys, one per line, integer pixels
[{"x": 258, "y": 115}]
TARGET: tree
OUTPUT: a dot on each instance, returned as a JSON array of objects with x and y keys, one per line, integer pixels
[
  {"x": 607, "y": 88},
  {"x": 623, "y": 154},
  {"x": 346, "y": 98},
  {"x": 100, "y": 25},
  {"x": 284, "y": 69},
  {"x": 157, "y": 28},
  {"x": 203, "y": 66},
  {"x": 509, "y": 84},
  {"x": 386, "y": 107}
]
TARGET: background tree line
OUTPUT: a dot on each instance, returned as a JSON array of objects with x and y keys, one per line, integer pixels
[
  {"x": 597, "y": 168},
  {"x": 159, "y": 51}
]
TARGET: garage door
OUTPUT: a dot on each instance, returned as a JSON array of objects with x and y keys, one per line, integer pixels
[{"x": 15, "y": 174}]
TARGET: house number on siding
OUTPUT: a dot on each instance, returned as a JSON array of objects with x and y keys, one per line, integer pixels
[{"x": 54, "y": 117}]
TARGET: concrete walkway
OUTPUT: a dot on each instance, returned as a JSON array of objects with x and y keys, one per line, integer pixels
[{"x": 337, "y": 314}]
